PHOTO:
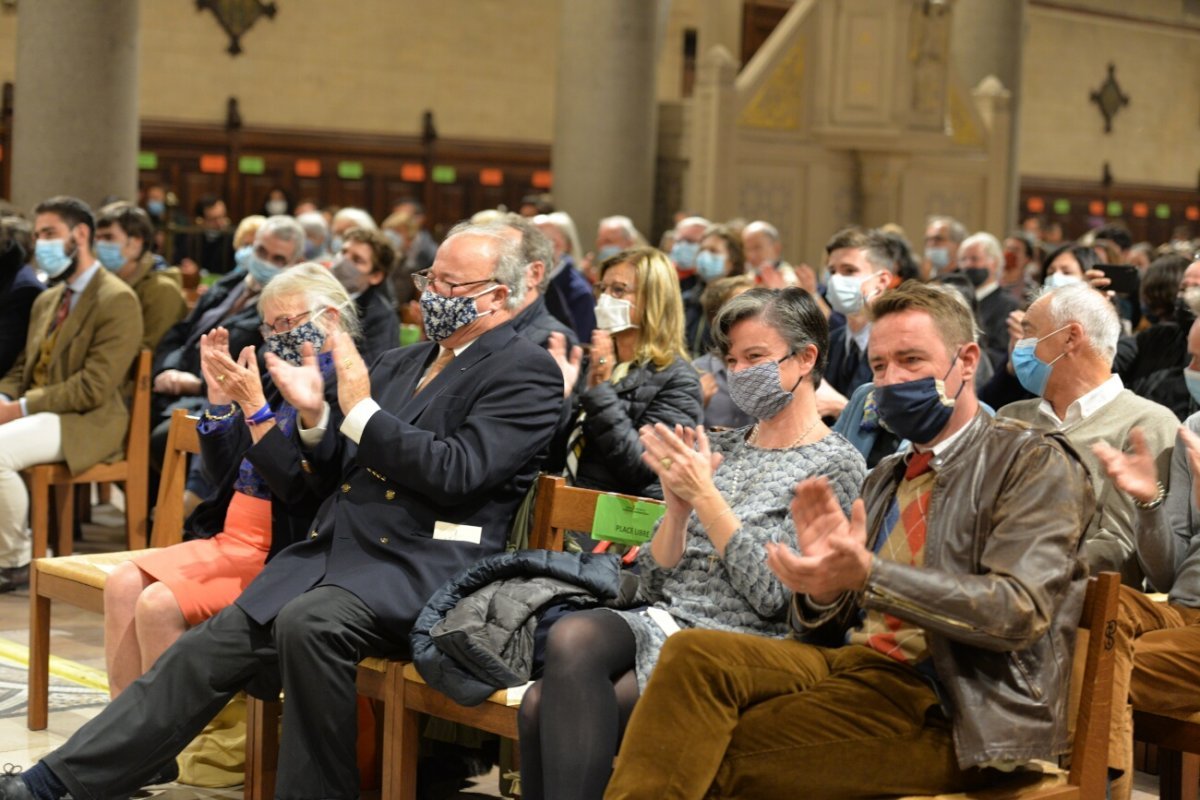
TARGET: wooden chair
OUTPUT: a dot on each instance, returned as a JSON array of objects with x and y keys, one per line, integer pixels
[
  {"x": 1178, "y": 743},
  {"x": 133, "y": 471},
  {"x": 1088, "y": 778},
  {"x": 79, "y": 580},
  {"x": 399, "y": 686}
]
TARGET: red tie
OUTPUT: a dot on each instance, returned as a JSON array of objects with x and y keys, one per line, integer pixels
[
  {"x": 918, "y": 464},
  {"x": 64, "y": 308}
]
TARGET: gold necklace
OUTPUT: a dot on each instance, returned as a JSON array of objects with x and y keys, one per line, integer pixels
[{"x": 754, "y": 436}]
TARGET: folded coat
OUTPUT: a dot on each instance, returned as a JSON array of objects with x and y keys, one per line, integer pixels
[{"x": 476, "y": 634}]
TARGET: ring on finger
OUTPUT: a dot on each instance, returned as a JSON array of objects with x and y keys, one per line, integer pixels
[
  {"x": 220, "y": 378},
  {"x": 666, "y": 462}
]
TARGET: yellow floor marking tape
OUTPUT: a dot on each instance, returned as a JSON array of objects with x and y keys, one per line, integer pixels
[{"x": 59, "y": 667}]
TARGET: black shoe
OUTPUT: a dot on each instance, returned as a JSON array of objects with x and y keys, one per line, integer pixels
[
  {"x": 11, "y": 785},
  {"x": 12, "y": 578}
]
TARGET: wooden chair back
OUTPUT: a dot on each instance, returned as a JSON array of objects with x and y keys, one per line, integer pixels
[
  {"x": 1089, "y": 753},
  {"x": 182, "y": 439},
  {"x": 559, "y": 508}
]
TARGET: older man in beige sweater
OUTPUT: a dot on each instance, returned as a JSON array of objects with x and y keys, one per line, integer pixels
[{"x": 1066, "y": 359}]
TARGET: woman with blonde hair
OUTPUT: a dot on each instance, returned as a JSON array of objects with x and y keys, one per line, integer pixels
[{"x": 638, "y": 374}]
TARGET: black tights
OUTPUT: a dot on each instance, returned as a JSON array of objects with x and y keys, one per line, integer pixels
[{"x": 571, "y": 721}]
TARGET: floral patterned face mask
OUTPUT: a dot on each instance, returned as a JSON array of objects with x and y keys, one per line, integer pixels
[
  {"x": 287, "y": 345},
  {"x": 445, "y": 315}
]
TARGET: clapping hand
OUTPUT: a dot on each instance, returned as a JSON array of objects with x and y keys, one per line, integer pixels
[
  {"x": 1133, "y": 472},
  {"x": 833, "y": 550},
  {"x": 1192, "y": 442},
  {"x": 682, "y": 460},
  {"x": 354, "y": 384},
  {"x": 568, "y": 363},
  {"x": 238, "y": 381},
  {"x": 600, "y": 368},
  {"x": 302, "y": 386}
]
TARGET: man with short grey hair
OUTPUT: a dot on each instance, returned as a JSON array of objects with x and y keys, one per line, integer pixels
[
  {"x": 1066, "y": 360},
  {"x": 424, "y": 457},
  {"x": 613, "y": 235},
  {"x": 980, "y": 259},
  {"x": 764, "y": 256},
  {"x": 943, "y": 236}
]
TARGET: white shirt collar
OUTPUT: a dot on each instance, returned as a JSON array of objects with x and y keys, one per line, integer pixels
[
  {"x": 1086, "y": 404},
  {"x": 985, "y": 290},
  {"x": 941, "y": 447},
  {"x": 861, "y": 338},
  {"x": 83, "y": 279}
]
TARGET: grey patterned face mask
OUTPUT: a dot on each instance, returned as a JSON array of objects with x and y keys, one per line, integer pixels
[{"x": 757, "y": 390}]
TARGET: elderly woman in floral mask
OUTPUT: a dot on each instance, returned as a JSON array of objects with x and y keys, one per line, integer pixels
[{"x": 261, "y": 504}]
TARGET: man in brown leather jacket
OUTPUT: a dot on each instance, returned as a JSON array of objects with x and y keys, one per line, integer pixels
[{"x": 937, "y": 623}]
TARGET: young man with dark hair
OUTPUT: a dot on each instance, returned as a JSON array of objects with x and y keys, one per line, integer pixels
[
  {"x": 61, "y": 399},
  {"x": 124, "y": 236}
]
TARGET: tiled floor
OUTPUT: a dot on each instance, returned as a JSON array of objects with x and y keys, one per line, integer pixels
[{"x": 77, "y": 636}]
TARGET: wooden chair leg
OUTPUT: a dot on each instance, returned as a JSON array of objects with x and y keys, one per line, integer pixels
[
  {"x": 262, "y": 749},
  {"x": 1178, "y": 775},
  {"x": 136, "y": 511},
  {"x": 403, "y": 750},
  {"x": 39, "y": 511},
  {"x": 64, "y": 506},
  {"x": 39, "y": 655},
  {"x": 83, "y": 502}
]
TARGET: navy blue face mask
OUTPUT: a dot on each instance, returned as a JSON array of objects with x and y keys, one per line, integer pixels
[{"x": 917, "y": 410}]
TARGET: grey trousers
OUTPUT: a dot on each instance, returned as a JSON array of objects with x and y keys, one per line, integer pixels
[{"x": 311, "y": 650}]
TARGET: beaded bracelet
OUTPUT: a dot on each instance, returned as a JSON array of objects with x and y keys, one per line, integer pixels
[
  {"x": 264, "y": 414},
  {"x": 1155, "y": 503},
  {"x": 208, "y": 416}
]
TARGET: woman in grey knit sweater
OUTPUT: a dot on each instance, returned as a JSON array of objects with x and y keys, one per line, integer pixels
[{"x": 726, "y": 497}]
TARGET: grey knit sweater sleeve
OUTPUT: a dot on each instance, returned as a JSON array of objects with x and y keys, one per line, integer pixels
[{"x": 1168, "y": 538}]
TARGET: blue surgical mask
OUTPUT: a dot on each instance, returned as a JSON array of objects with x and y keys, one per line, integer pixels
[
  {"x": 242, "y": 254},
  {"x": 1031, "y": 371},
  {"x": 156, "y": 208},
  {"x": 110, "y": 255},
  {"x": 445, "y": 315},
  {"x": 260, "y": 270},
  {"x": 684, "y": 255},
  {"x": 710, "y": 265},
  {"x": 335, "y": 244},
  {"x": 52, "y": 257},
  {"x": 916, "y": 410},
  {"x": 1192, "y": 378},
  {"x": 606, "y": 252},
  {"x": 938, "y": 258}
]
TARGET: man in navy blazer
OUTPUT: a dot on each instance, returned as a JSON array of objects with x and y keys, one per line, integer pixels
[{"x": 426, "y": 458}]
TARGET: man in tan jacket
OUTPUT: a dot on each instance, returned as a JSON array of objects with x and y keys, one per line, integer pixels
[{"x": 61, "y": 400}]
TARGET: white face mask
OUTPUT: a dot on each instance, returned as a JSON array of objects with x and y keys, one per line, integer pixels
[
  {"x": 1057, "y": 279},
  {"x": 844, "y": 293},
  {"x": 612, "y": 315}
]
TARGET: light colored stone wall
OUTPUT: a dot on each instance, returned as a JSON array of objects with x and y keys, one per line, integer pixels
[
  {"x": 1155, "y": 139},
  {"x": 485, "y": 67}
]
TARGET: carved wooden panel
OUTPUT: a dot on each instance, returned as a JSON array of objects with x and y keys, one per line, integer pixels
[{"x": 864, "y": 61}]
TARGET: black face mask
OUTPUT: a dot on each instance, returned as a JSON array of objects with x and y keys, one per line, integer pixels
[{"x": 1184, "y": 316}]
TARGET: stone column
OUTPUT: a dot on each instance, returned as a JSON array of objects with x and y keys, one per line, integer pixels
[
  {"x": 605, "y": 116},
  {"x": 988, "y": 38},
  {"x": 75, "y": 112}
]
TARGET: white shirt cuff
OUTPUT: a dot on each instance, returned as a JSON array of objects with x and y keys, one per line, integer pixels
[
  {"x": 356, "y": 421},
  {"x": 310, "y": 437},
  {"x": 24, "y": 410}
]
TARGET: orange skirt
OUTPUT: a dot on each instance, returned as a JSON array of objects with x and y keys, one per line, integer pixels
[{"x": 206, "y": 575}]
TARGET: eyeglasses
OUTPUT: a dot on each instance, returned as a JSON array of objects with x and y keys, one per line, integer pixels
[
  {"x": 285, "y": 324},
  {"x": 617, "y": 290},
  {"x": 424, "y": 279}
]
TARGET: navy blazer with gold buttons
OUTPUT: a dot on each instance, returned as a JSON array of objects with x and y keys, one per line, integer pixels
[{"x": 463, "y": 452}]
